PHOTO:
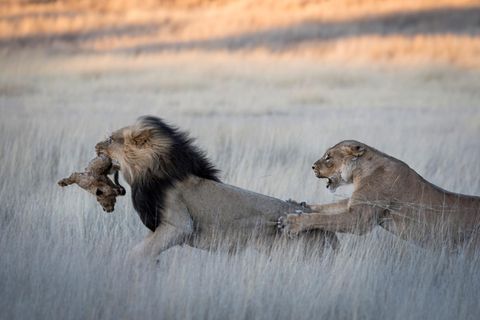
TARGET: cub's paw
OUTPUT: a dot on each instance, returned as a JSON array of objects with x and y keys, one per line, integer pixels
[
  {"x": 64, "y": 182},
  {"x": 290, "y": 224}
]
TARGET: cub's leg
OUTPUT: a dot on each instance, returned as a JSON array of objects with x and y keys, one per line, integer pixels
[{"x": 74, "y": 178}]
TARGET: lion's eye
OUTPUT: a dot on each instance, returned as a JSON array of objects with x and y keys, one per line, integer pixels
[{"x": 110, "y": 140}]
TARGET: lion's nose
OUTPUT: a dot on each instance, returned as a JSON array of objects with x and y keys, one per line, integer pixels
[{"x": 313, "y": 167}]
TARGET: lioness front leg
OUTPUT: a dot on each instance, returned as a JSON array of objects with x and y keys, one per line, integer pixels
[
  {"x": 330, "y": 208},
  {"x": 357, "y": 219},
  {"x": 292, "y": 224}
]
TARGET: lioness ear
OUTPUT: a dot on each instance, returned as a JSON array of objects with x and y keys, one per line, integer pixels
[
  {"x": 356, "y": 150},
  {"x": 139, "y": 138}
]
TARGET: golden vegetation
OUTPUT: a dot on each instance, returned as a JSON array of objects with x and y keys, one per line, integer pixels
[{"x": 443, "y": 31}]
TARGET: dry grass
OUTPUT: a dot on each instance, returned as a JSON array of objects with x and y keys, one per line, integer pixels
[{"x": 263, "y": 125}]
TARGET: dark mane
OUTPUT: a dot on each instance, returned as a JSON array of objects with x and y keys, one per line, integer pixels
[
  {"x": 186, "y": 158},
  {"x": 182, "y": 161}
]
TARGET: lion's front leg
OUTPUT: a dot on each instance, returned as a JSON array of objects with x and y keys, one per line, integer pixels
[{"x": 164, "y": 237}]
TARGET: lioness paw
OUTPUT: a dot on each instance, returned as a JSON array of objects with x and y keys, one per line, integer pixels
[{"x": 290, "y": 224}]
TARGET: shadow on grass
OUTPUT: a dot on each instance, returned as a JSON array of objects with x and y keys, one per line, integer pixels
[
  {"x": 455, "y": 21},
  {"x": 464, "y": 21}
]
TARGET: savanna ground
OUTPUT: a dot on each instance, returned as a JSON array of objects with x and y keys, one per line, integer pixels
[{"x": 264, "y": 106}]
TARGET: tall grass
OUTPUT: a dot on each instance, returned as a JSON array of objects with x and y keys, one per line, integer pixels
[{"x": 62, "y": 257}]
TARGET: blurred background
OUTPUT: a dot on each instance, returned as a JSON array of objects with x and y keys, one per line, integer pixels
[{"x": 342, "y": 31}]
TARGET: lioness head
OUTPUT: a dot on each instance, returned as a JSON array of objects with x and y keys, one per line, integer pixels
[{"x": 338, "y": 163}]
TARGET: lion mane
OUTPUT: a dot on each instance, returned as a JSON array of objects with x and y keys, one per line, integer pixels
[{"x": 166, "y": 167}]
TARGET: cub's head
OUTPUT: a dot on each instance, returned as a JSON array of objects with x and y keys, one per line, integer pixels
[
  {"x": 338, "y": 163},
  {"x": 137, "y": 149}
]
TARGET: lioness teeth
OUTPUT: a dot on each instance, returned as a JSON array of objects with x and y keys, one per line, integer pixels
[{"x": 329, "y": 182}]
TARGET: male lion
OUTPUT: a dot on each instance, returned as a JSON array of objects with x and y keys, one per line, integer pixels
[
  {"x": 179, "y": 197},
  {"x": 390, "y": 194}
]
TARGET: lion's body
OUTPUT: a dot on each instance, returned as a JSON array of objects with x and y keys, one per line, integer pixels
[
  {"x": 208, "y": 212},
  {"x": 387, "y": 192},
  {"x": 178, "y": 196}
]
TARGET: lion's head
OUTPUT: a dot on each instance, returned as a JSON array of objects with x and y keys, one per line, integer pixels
[
  {"x": 338, "y": 163},
  {"x": 152, "y": 147},
  {"x": 153, "y": 156},
  {"x": 136, "y": 149}
]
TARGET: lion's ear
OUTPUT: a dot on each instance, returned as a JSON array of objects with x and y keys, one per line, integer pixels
[
  {"x": 356, "y": 150},
  {"x": 139, "y": 138}
]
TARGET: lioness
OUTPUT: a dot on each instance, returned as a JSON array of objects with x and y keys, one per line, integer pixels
[
  {"x": 179, "y": 197},
  {"x": 388, "y": 193}
]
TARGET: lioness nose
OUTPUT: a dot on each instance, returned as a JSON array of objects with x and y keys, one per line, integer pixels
[{"x": 313, "y": 167}]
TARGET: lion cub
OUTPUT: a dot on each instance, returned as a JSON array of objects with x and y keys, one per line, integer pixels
[
  {"x": 96, "y": 181},
  {"x": 388, "y": 193}
]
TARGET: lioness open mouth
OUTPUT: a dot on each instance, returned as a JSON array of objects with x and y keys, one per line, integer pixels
[{"x": 329, "y": 183}]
